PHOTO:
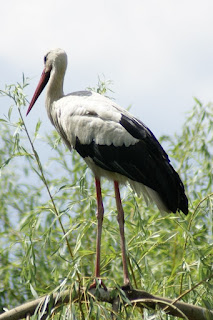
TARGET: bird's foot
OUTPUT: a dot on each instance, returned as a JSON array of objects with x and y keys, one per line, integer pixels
[{"x": 97, "y": 283}]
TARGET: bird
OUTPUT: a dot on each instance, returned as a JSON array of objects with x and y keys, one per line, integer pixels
[{"x": 114, "y": 144}]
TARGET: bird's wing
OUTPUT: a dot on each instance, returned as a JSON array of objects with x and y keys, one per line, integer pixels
[
  {"x": 116, "y": 141},
  {"x": 90, "y": 117},
  {"x": 129, "y": 148}
]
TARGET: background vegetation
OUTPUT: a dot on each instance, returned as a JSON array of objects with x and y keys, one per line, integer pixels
[{"x": 48, "y": 220}]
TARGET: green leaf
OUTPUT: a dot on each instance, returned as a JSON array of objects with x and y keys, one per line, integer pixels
[{"x": 34, "y": 293}]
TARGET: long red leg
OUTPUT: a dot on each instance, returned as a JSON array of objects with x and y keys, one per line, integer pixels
[
  {"x": 100, "y": 214},
  {"x": 120, "y": 218}
]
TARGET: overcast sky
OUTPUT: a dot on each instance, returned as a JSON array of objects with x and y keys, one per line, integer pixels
[{"x": 159, "y": 54}]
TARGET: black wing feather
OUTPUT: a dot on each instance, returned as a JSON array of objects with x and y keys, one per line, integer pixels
[{"x": 145, "y": 162}]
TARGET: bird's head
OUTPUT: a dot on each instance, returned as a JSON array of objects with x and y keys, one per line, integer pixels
[{"x": 55, "y": 61}]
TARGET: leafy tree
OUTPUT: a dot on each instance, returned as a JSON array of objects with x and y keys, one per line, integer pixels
[{"x": 48, "y": 223}]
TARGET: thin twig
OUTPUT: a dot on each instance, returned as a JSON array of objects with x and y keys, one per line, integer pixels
[
  {"x": 48, "y": 190},
  {"x": 187, "y": 236},
  {"x": 191, "y": 289}
]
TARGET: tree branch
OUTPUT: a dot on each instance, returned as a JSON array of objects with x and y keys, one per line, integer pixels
[{"x": 136, "y": 297}]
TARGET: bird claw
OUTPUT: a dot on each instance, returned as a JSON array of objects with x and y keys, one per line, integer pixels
[{"x": 97, "y": 283}]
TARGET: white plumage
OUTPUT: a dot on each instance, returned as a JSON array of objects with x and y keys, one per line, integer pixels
[
  {"x": 93, "y": 114},
  {"x": 113, "y": 143}
]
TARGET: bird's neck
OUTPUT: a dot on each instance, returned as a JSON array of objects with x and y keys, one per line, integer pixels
[{"x": 54, "y": 91}]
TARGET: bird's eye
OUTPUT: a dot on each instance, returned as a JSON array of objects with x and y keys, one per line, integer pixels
[{"x": 45, "y": 59}]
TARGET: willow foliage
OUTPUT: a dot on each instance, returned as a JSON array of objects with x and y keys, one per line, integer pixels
[{"x": 48, "y": 219}]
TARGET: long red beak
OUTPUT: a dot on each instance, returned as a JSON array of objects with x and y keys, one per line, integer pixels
[{"x": 41, "y": 85}]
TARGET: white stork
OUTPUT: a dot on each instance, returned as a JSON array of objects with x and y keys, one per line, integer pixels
[{"x": 113, "y": 143}]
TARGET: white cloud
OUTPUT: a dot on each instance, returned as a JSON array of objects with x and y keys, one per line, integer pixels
[{"x": 158, "y": 53}]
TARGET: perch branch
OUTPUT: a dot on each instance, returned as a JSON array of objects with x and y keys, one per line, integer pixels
[{"x": 136, "y": 297}]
